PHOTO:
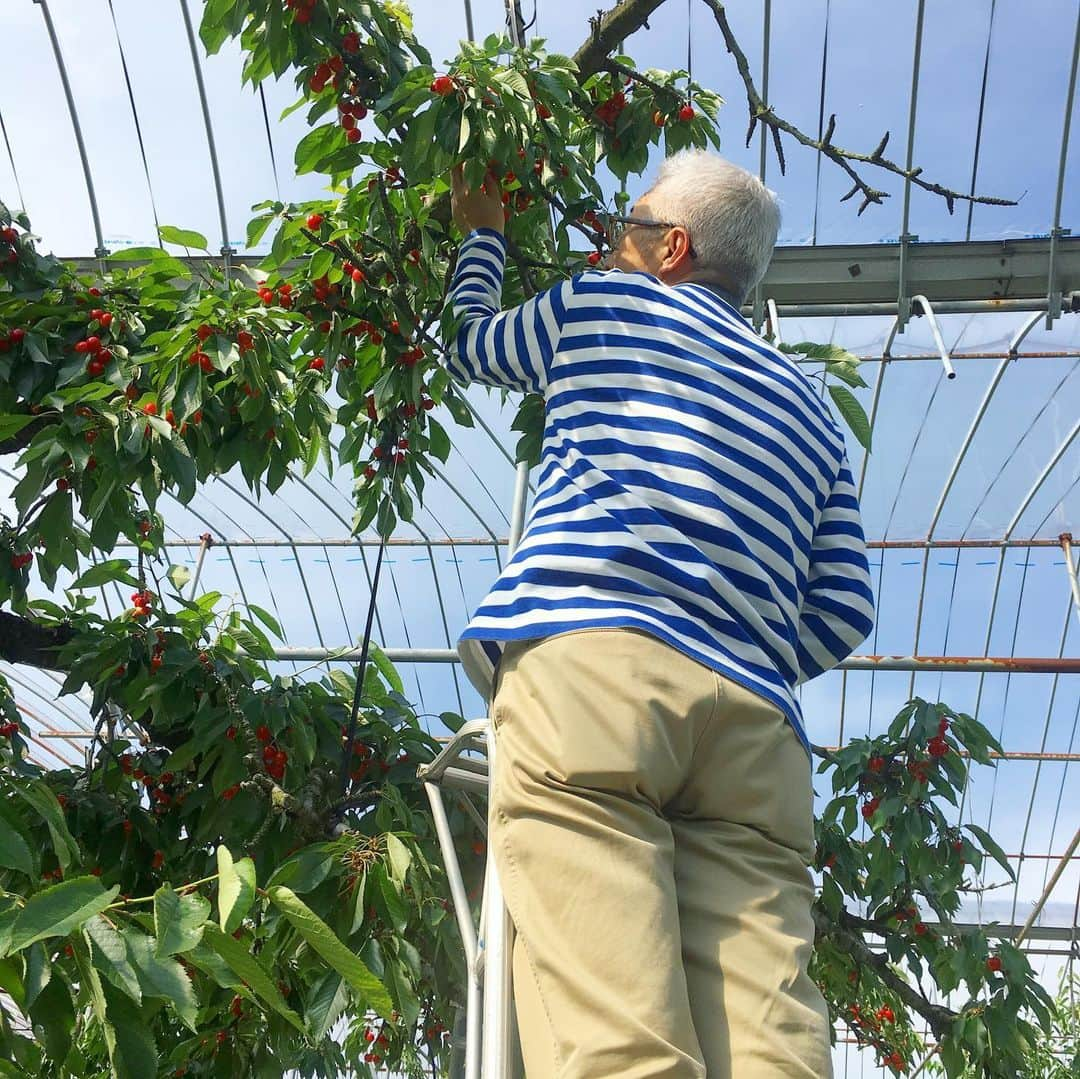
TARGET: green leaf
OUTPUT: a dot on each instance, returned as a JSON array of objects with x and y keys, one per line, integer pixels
[
  {"x": 852, "y": 412},
  {"x": 326, "y": 1004},
  {"x": 184, "y": 237},
  {"x": 991, "y": 848},
  {"x": 267, "y": 620},
  {"x": 10, "y": 426},
  {"x": 400, "y": 858},
  {"x": 178, "y": 920},
  {"x": 162, "y": 977},
  {"x": 38, "y": 972},
  {"x": 115, "y": 569},
  {"x": 58, "y": 910},
  {"x": 256, "y": 229},
  {"x": 314, "y": 146},
  {"x": 385, "y": 668},
  {"x": 323, "y": 940},
  {"x": 306, "y": 869},
  {"x": 438, "y": 440},
  {"x": 14, "y": 851},
  {"x": 236, "y": 889},
  {"x": 249, "y": 969},
  {"x": 133, "y": 1051},
  {"x": 109, "y": 953},
  {"x": 44, "y": 801},
  {"x": 179, "y": 576},
  {"x": 53, "y": 1019}
]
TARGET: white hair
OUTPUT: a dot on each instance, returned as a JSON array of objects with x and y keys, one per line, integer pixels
[{"x": 732, "y": 217}]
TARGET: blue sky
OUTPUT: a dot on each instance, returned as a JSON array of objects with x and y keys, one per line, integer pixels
[{"x": 923, "y": 418}]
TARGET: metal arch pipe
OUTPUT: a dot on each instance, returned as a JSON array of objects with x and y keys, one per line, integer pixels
[
  {"x": 927, "y": 310},
  {"x": 903, "y": 304},
  {"x": 1058, "y": 454},
  {"x": 100, "y": 251},
  {"x": 226, "y": 250},
  {"x": 968, "y": 439},
  {"x": 1053, "y": 299},
  {"x": 1066, "y": 546}
]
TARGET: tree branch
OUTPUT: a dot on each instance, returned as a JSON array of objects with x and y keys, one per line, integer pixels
[
  {"x": 844, "y": 933},
  {"x": 22, "y": 640},
  {"x": 18, "y": 443},
  {"x": 760, "y": 111},
  {"x": 610, "y": 30}
]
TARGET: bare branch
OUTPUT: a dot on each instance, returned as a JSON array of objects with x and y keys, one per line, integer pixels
[
  {"x": 759, "y": 110},
  {"x": 609, "y": 30}
]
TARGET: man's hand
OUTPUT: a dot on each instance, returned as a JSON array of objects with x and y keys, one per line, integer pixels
[{"x": 481, "y": 209}]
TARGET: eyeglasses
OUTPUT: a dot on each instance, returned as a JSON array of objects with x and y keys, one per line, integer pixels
[{"x": 615, "y": 226}]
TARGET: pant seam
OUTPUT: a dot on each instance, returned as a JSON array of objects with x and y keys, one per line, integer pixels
[{"x": 528, "y": 955}]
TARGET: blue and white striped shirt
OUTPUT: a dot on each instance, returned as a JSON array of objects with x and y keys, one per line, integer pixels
[{"x": 692, "y": 484}]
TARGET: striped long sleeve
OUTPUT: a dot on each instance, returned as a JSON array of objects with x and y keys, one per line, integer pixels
[
  {"x": 837, "y": 611},
  {"x": 510, "y": 349}
]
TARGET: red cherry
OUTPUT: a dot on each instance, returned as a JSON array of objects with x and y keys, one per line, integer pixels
[
  {"x": 442, "y": 86},
  {"x": 658, "y": 118},
  {"x": 203, "y": 332},
  {"x": 350, "y": 43},
  {"x": 106, "y": 320},
  {"x": 95, "y": 292},
  {"x": 93, "y": 344},
  {"x": 594, "y": 257},
  {"x": 80, "y": 346},
  {"x": 62, "y": 484},
  {"x": 314, "y": 221},
  {"x": 357, "y": 276},
  {"x": 197, "y": 417},
  {"x": 876, "y": 764},
  {"x": 263, "y": 733},
  {"x": 399, "y": 458},
  {"x": 370, "y": 473},
  {"x": 427, "y": 404},
  {"x": 150, "y": 409},
  {"x": 993, "y": 963},
  {"x": 403, "y": 444},
  {"x": 686, "y": 112},
  {"x": 353, "y": 135},
  {"x": 158, "y": 860},
  {"x": 317, "y": 364}
]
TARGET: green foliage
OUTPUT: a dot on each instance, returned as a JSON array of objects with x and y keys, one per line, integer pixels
[{"x": 913, "y": 864}]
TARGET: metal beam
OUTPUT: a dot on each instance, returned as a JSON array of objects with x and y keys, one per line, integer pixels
[
  {"x": 1005, "y": 275},
  {"x": 971, "y": 664}
]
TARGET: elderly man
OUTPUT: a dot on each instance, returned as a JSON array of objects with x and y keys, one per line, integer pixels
[{"x": 693, "y": 554}]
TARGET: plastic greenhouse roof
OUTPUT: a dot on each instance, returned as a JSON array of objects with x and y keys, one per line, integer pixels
[{"x": 993, "y": 88}]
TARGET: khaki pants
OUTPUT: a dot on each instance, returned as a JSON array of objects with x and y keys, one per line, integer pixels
[{"x": 651, "y": 822}]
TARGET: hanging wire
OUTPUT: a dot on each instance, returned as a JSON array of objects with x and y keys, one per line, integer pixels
[
  {"x": 11, "y": 158},
  {"x": 269, "y": 139},
  {"x": 979, "y": 124},
  {"x": 138, "y": 127},
  {"x": 821, "y": 121}
]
